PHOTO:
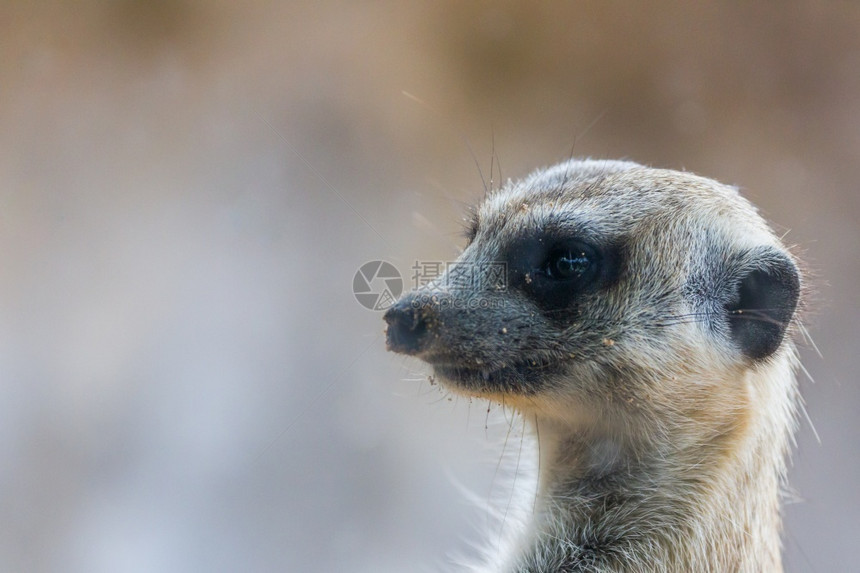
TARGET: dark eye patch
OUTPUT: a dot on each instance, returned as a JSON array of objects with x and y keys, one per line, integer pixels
[{"x": 556, "y": 270}]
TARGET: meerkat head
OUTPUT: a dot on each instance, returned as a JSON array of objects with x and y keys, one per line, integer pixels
[{"x": 602, "y": 286}]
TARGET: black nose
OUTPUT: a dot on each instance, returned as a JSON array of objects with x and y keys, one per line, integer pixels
[{"x": 408, "y": 325}]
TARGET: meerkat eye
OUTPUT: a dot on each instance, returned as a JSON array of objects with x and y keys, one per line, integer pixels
[
  {"x": 568, "y": 265},
  {"x": 562, "y": 273},
  {"x": 575, "y": 261}
]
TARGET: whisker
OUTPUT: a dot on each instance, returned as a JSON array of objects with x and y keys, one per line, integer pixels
[
  {"x": 537, "y": 434},
  {"x": 808, "y": 339},
  {"x": 806, "y": 372},
  {"x": 802, "y": 406},
  {"x": 514, "y": 483},
  {"x": 492, "y": 154},
  {"x": 756, "y": 314},
  {"x": 501, "y": 457},
  {"x": 462, "y": 136}
]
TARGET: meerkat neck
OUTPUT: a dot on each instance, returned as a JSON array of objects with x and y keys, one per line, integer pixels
[{"x": 681, "y": 501}]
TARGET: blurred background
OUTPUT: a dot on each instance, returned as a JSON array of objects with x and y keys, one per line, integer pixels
[{"x": 187, "y": 188}]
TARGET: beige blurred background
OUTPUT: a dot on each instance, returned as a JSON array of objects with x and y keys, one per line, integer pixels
[{"x": 188, "y": 187}]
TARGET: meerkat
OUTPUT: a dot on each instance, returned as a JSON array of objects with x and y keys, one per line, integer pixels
[{"x": 640, "y": 330}]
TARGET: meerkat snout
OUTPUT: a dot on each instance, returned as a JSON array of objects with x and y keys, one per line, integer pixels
[
  {"x": 637, "y": 318},
  {"x": 406, "y": 325}
]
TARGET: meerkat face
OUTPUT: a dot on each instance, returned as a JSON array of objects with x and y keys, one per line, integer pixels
[{"x": 589, "y": 274}]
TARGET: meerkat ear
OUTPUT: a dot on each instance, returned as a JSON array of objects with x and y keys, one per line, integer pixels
[{"x": 764, "y": 303}]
